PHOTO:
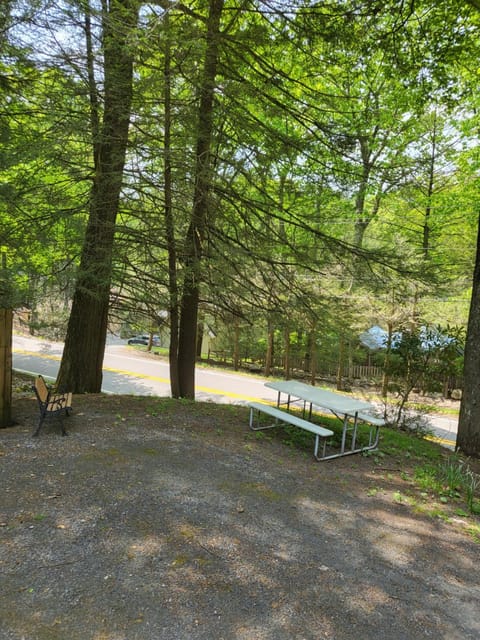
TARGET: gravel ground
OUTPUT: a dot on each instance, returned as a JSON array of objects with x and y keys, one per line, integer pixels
[{"x": 154, "y": 522}]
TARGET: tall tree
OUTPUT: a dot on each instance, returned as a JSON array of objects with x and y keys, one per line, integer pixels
[
  {"x": 468, "y": 436},
  {"x": 81, "y": 366},
  {"x": 194, "y": 242},
  {"x": 5, "y": 345},
  {"x": 5, "y": 298},
  {"x": 173, "y": 310}
]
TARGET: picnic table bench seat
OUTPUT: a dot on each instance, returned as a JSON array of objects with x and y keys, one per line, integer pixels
[
  {"x": 375, "y": 420},
  {"x": 51, "y": 404},
  {"x": 283, "y": 417}
]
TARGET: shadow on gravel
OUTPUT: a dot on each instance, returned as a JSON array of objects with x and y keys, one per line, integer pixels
[{"x": 164, "y": 521}]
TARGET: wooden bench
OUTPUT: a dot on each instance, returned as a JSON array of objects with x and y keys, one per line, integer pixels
[
  {"x": 282, "y": 417},
  {"x": 51, "y": 404}
]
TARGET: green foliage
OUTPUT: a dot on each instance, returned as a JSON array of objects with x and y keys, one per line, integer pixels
[
  {"x": 423, "y": 358},
  {"x": 395, "y": 442},
  {"x": 452, "y": 479},
  {"x": 329, "y": 125},
  {"x": 40, "y": 193}
]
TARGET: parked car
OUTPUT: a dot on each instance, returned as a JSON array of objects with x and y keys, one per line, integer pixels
[
  {"x": 138, "y": 340},
  {"x": 144, "y": 340}
]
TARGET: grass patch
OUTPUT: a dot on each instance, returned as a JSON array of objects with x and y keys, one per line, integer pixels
[
  {"x": 474, "y": 531},
  {"x": 442, "y": 479},
  {"x": 257, "y": 489},
  {"x": 298, "y": 438},
  {"x": 401, "y": 443},
  {"x": 392, "y": 441}
]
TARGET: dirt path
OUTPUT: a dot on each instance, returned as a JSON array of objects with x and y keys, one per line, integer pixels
[{"x": 171, "y": 522}]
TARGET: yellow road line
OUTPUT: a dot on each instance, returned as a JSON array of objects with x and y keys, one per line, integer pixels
[
  {"x": 230, "y": 394},
  {"x": 37, "y": 354},
  {"x": 135, "y": 374},
  {"x": 441, "y": 440},
  {"x": 217, "y": 392}
]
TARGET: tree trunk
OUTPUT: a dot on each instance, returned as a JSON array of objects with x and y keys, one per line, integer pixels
[
  {"x": 430, "y": 191},
  {"x": 341, "y": 355},
  {"x": 169, "y": 220},
  {"x": 386, "y": 361},
  {"x": 6, "y": 326},
  {"x": 5, "y": 367},
  {"x": 200, "y": 334},
  {"x": 468, "y": 436},
  {"x": 236, "y": 344},
  {"x": 270, "y": 348},
  {"x": 194, "y": 241},
  {"x": 286, "y": 343},
  {"x": 313, "y": 355},
  {"x": 81, "y": 366},
  {"x": 362, "y": 220}
]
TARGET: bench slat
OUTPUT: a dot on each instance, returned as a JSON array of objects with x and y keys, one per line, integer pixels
[
  {"x": 365, "y": 417},
  {"x": 291, "y": 419}
]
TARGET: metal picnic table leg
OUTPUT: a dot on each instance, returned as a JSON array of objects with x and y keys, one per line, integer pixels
[
  {"x": 344, "y": 434},
  {"x": 354, "y": 432}
]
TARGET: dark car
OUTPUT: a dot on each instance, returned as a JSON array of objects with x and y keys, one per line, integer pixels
[
  {"x": 139, "y": 340},
  {"x": 144, "y": 340}
]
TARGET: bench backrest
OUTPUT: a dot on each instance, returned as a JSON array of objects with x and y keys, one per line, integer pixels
[{"x": 41, "y": 389}]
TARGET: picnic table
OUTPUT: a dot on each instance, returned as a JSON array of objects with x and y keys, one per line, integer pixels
[{"x": 351, "y": 411}]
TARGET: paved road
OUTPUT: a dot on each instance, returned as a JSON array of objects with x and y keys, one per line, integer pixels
[{"x": 127, "y": 371}]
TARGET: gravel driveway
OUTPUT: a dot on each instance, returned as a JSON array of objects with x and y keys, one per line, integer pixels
[{"x": 143, "y": 526}]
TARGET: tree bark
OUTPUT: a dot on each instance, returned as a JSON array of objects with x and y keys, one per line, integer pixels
[
  {"x": 468, "y": 436},
  {"x": 199, "y": 339},
  {"x": 6, "y": 326},
  {"x": 169, "y": 220},
  {"x": 362, "y": 220},
  {"x": 5, "y": 367},
  {"x": 313, "y": 354},
  {"x": 236, "y": 344},
  {"x": 286, "y": 347},
  {"x": 270, "y": 348},
  {"x": 81, "y": 366},
  {"x": 341, "y": 355},
  {"x": 195, "y": 238}
]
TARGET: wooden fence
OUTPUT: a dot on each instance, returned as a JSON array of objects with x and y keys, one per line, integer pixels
[{"x": 301, "y": 365}]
